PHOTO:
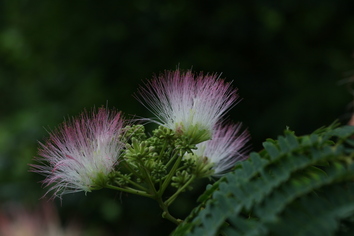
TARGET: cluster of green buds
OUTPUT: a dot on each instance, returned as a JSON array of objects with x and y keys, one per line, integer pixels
[{"x": 149, "y": 165}]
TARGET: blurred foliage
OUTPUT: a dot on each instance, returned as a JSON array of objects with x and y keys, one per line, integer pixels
[{"x": 59, "y": 57}]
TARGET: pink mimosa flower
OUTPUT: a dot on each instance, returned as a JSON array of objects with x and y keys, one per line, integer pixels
[
  {"x": 188, "y": 103},
  {"x": 81, "y": 153},
  {"x": 227, "y": 146}
]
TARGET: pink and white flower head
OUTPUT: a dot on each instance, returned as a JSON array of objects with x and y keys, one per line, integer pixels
[
  {"x": 188, "y": 103},
  {"x": 80, "y": 154},
  {"x": 217, "y": 156}
]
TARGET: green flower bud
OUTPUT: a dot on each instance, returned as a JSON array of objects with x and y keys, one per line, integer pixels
[
  {"x": 202, "y": 165},
  {"x": 136, "y": 149},
  {"x": 180, "y": 179}
]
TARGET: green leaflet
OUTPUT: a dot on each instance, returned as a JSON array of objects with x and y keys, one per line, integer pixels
[{"x": 295, "y": 186}]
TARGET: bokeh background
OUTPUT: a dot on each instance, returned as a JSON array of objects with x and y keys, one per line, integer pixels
[{"x": 292, "y": 62}]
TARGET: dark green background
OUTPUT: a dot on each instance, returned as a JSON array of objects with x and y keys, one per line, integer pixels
[{"x": 57, "y": 57}]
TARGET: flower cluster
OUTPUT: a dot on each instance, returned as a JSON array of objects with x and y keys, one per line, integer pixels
[
  {"x": 194, "y": 106},
  {"x": 80, "y": 154},
  {"x": 188, "y": 103},
  {"x": 100, "y": 149},
  {"x": 225, "y": 148}
]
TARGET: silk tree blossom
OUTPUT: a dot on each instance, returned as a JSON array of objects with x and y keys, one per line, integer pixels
[
  {"x": 80, "y": 154},
  {"x": 218, "y": 155},
  {"x": 188, "y": 103}
]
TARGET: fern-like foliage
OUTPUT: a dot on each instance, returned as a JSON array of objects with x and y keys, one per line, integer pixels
[{"x": 295, "y": 186}]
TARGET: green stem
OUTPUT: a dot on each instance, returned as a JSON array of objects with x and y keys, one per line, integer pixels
[
  {"x": 170, "y": 175},
  {"x": 163, "y": 148},
  {"x": 147, "y": 177},
  {"x": 175, "y": 195},
  {"x": 182, "y": 168},
  {"x": 166, "y": 214},
  {"x": 130, "y": 190},
  {"x": 126, "y": 164},
  {"x": 172, "y": 159},
  {"x": 131, "y": 182}
]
